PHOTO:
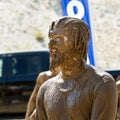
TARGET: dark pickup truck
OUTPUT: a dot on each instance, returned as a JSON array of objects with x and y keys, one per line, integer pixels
[{"x": 18, "y": 73}]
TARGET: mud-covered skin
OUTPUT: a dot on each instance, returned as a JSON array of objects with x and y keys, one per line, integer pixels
[
  {"x": 92, "y": 97},
  {"x": 118, "y": 110},
  {"x": 69, "y": 38},
  {"x": 31, "y": 107},
  {"x": 79, "y": 92}
]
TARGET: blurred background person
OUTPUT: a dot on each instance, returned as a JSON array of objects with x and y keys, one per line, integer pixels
[{"x": 42, "y": 77}]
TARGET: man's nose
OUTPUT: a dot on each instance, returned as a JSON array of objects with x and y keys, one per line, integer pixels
[{"x": 52, "y": 42}]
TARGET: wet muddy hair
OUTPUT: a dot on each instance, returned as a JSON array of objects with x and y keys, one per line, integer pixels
[{"x": 77, "y": 32}]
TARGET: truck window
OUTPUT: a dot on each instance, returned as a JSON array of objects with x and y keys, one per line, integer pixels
[
  {"x": 34, "y": 65},
  {"x": 26, "y": 65},
  {"x": 1, "y": 67},
  {"x": 22, "y": 67}
]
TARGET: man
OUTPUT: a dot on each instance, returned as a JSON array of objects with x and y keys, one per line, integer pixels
[
  {"x": 79, "y": 91},
  {"x": 118, "y": 109},
  {"x": 42, "y": 77}
]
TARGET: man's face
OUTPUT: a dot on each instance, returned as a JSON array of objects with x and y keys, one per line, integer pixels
[{"x": 58, "y": 46}]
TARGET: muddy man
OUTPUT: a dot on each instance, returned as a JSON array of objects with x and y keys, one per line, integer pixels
[{"x": 79, "y": 91}]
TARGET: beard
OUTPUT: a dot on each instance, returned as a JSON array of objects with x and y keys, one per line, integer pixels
[{"x": 56, "y": 60}]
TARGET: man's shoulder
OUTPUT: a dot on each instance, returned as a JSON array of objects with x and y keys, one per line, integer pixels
[
  {"x": 43, "y": 76},
  {"x": 100, "y": 79},
  {"x": 118, "y": 84},
  {"x": 45, "y": 73},
  {"x": 49, "y": 83},
  {"x": 99, "y": 74}
]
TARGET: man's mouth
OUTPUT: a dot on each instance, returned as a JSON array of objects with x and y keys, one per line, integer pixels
[{"x": 53, "y": 51}]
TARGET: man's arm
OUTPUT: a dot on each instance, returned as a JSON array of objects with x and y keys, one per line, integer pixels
[
  {"x": 105, "y": 102},
  {"x": 118, "y": 110},
  {"x": 40, "y": 110},
  {"x": 30, "y": 113},
  {"x": 32, "y": 117}
]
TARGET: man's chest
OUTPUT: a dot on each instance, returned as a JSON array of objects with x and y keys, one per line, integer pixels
[{"x": 56, "y": 100}]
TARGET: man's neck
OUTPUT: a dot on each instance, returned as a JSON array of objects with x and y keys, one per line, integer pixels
[{"x": 72, "y": 69}]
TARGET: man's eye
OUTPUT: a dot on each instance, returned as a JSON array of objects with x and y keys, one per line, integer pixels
[
  {"x": 56, "y": 39},
  {"x": 59, "y": 39}
]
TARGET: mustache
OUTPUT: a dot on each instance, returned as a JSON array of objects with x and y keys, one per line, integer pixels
[{"x": 53, "y": 50}]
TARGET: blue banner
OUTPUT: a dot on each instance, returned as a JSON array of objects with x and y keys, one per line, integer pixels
[{"x": 80, "y": 9}]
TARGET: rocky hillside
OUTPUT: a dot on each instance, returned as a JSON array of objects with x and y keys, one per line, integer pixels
[
  {"x": 24, "y": 26},
  {"x": 106, "y": 27}
]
